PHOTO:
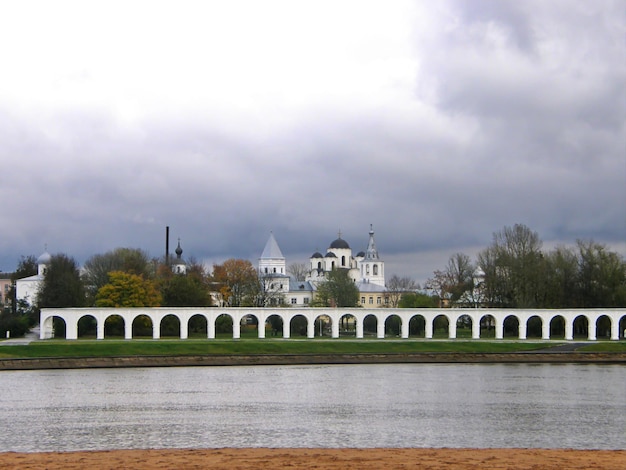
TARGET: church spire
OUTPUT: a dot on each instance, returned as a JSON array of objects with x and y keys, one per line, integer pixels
[{"x": 372, "y": 252}]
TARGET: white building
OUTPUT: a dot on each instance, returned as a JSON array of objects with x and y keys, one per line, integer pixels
[
  {"x": 366, "y": 269},
  {"x": 27, "y": 288}
]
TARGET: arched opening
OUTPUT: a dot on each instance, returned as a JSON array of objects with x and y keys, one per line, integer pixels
[
  {"x": 581, "y": 327},
  {"x": 114, "y": 326},
  {"x": 393, "y": 326},
  {"x": 198, "y": 326},
  {"x": 274, "y": 326},
  {"x": 370, "y": 325},
  {"x": 464, "y": 326},
  {"x": 603, "y": 327},
  {"x": 511, "y": 327},
  {"x": 170, "y": 326},
  {"x": 557, "y": 327},
  {"x": 58, "y": 327},
  {"x": 142, "y": 326},
  {"x": 417, "y": 326},
  {"x": 534, "y": 327},
  {"x": 622, "y": 328},
  {"x": 441, "y": 327},
  {"x": 224, "y": 326},
  {"x": 487, "y": 326},
  {"x": 297, "y": 326},
  {"x": 347, "y": 325},
  {"x": 322, "y": 326},
  {"x": 249, "y": 327},
  {"x": 87, "y": 327},
  {"x": 343, "y": 260},
  {"x": 375, "y": 270}
]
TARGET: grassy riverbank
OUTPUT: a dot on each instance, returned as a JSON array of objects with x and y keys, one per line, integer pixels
[{"x": 164, "y": 347}]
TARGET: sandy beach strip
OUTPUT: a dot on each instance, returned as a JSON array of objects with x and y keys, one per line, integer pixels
[{"x": 361, "y": 459}]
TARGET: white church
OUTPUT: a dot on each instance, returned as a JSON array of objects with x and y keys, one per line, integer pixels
[{"x": 366, "y": 269}]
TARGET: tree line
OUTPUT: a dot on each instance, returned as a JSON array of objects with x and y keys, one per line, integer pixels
[{"x": 515, "y": 272}]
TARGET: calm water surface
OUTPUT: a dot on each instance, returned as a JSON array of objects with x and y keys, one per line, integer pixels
[{"x": 413, "y": 405}]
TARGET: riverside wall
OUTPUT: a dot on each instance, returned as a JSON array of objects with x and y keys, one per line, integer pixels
[{"x": 304, "y": 359}]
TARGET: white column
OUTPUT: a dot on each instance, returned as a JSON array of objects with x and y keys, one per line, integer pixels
[
  {"x": 475, "y": 328},
  {"x": 592, "y": 333},
  {"x": 359, "y": 329},
  {"x": 569, "y": 329},
  {"x": 156, "y": 329},
  {"x": 184, "y": 328},
  {"x": 334, "y": 327},
  {"x": 523, "y": 330},
  {"x": 210, "y": 327},
  {"x": 286, "y": 328},
  {"x": 428, "y": 325},
  {"x": 310, "y": 328},
  {"x": 71, "y": 329},
  {"x": 236, "y": 328},
  {"x": 100, "y": 329},
  {"x": 380, "y": 328},
  {"x": 405, "y": 328},
  {"x": 261, "y": 327},
  {"x": 615, "y": 328},
  {"x": 452, "y": 329},
  {"x": 545, "y": 328},
  {"x": 499, "y": 328},
  {"x": 128, "y": 328}
]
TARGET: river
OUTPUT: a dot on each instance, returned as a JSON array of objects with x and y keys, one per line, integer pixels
[{"x": 397, "y": 405}]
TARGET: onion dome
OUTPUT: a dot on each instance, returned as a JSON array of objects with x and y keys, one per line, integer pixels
[
  {"x": 179, "y": 250},
  {"x": 317, "y": 254},
  {"x": 330, "y": 254},
  {"x": 360, "y": 254},
  {"x": 44, "y": 258},
  {"x": 340, "y": 243}
]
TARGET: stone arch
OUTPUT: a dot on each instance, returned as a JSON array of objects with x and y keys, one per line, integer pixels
[
  {"x": 87, "y": 326},
  {"x": 198, "y": 326},
  {"x": 464, "y": 326},
  {"x": 370, "y": 325},
  {"x": 224, "y": 325},
  {"x": 250, "y": 326},
  {"x": 511, "y": 326},
  {"x": 169, "y": 326},
  {"x": 298, "y": 326},
  {"x": 274, "y": 325},
  {"x": 534, "y": 327},
  {"x": 441, "y": 326},
  {"x": 557, "y": 327},
  {"x": 487, "y": 326},
  {"x": 56, "y": 326},
  {"x": 142, "y": 326},
  {"x": 347, "y": 325},
  {"x": 417, "y": 326},
  {"x": 321, "y": 326},
  {"x": 603, "y": 327},
  {"x": 114, "y": 326},
  {"x": 393, "y": 326},
  {"x": 580, "y": 327}
]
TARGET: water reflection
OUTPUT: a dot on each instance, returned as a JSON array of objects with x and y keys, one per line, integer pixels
[{"x": 413, "y": 405}]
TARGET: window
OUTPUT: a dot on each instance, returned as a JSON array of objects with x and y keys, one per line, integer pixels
[
  {"x": 343, "y": 260},
  {"x": 375, "y": 270},
  {"x": 274, "y": 269},
  {"x": 265, "y": 270},
  {"x": 367, "y": 269},
  {"x": 306, "y": 300},
  {"x": 379, "y": 301},
  {"x": 294, "y": 301},
  {"x": 363, "y": 300},
  {"x": 371, "y": 300},
  {"x": 386, "y": 300}
]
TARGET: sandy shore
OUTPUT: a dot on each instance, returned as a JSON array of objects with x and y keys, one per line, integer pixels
[{"x": 361, "y": 459}]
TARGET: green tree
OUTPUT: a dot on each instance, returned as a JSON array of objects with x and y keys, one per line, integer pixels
[
  {"x": 337, "y": 290},
  {"x": 187, "y": 290},
  {"x": 398, "y": 286},
  {"x": 601, "y": 276},
  {"x": 418, "y": 300},
  {"x": 97, "y": 268},
  {"x": 128, "y": 290},
  {"x": 61, "y": 285}
]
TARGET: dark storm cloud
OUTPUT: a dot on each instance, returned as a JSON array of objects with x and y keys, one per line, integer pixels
[{"x": 486, "y": 114}]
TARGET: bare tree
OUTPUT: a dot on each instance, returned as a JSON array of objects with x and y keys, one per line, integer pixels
[
  {"x": 398, "y": 286},
  {"x": 298, "y": 271}
]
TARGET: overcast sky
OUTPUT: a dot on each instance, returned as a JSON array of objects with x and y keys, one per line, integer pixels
[{"x": 439, "y": 122}]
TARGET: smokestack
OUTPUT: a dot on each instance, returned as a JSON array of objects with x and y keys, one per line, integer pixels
[{"x": 167, "y": 244}]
